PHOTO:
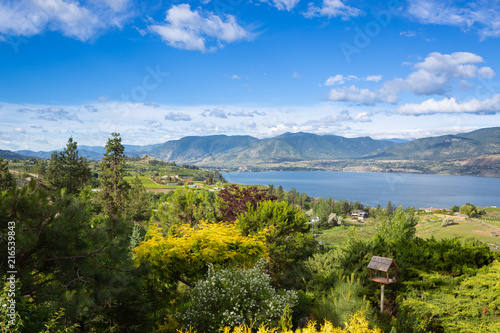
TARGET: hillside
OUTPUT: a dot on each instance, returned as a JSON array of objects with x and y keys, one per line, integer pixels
[
  {"x": 193, "y": 149},
  {"x": 444, "y": 148},
  {"x": 296, "y": 147},
  {"x": 7, "y": 154}
]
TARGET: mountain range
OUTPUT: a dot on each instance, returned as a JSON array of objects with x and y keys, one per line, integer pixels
[{"x": 306, "y": 149}]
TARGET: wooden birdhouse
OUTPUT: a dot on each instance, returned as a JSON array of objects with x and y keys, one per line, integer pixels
[{"x": 384, "y": 268}]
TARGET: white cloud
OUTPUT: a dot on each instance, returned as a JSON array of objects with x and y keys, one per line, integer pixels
[
  {"x": 373, "y": 78},
  {"x": 177, "y": 116},
  {"x": 433, "y": 76},
  {"x": 354, "y": 94},
  {"x": 70, "y": 17},
  {"x": 332, "y": 8},
  {"x": 337, "y": 79},
  {"x": 408, "y": 33},
  {"x": 193, "y": 30},
  {"x": 287, "y": 5},
  {"x": 450, "y": 105},
  {"x": 363, "y": 117},
  {"x": 296, "y": 75},
  {"x": 341, "y": 79},
  {"x": 481, "y": 16},
  {"x": 216, "y": 112},
  {"x": 50, "y": 114},
  {"x": 235, "y": 77}
]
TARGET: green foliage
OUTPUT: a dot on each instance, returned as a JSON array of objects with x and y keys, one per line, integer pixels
[
  {"x": 447, "y": 221},
  {"x": 343, "y": 299},
  {"x": 459, "y": 305},
  {"x": 469, "y": 209},
  {"x": 68, "y": 258},
  {"x": 446, "y": 256},
  {"x": 184, "y": 206},
  {"x": 286, "y": 233},
  {"x": 5, "y": 176},
  {"x": 399, "y": 225},
  {"x": 113, "y": 188},
  {"x": 67, "y": 170},
  {"x": 138, "y": 202},
  {"x": 231, "y": 297}
]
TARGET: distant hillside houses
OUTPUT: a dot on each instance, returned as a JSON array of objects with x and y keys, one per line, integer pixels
[{"x": 360, "y": 214}]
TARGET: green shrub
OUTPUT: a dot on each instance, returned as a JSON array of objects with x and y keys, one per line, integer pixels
[
  {"x": 232, "y": 297},
  {"x": 447, "y": 221}
]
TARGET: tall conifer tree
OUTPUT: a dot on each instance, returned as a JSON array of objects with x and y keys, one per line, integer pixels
[
  {"x": 68, "y": 170},
  {"x": 114, "y": 189},
  {"x": 5, "y": 176}
]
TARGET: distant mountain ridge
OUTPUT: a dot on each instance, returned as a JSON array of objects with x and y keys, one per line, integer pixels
[
  {"x": 446, "y": 147},
  {"x": 295, "y": 147},
  {"x": 300, "y": 148}
]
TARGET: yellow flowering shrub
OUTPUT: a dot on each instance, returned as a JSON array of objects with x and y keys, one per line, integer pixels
[
  {"x": 187, "y": 251},
  {"x": 356, "y": 324}
]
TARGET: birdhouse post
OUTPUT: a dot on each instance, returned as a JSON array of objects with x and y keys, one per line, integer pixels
[{"x": 382, "y": 265}]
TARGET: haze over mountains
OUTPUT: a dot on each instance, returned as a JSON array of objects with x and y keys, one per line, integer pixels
[{"x": 222, "y": 150}]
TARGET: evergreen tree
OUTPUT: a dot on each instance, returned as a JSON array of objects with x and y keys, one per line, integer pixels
[
  {"x": 5, "y": 176},
  {"x": 389, "y": 209},
  {"x": 40, "y": 168},
  {"x": 113, "y": 189},
  {"x": 139, "y": 205},
  {"x": 68, "y": 170}
]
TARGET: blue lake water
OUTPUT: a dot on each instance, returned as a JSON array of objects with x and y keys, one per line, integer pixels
[{"x": 416, "y": 190}]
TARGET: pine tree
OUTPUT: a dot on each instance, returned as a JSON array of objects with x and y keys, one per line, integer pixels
[
  {"x": 68, "y": 170},
  {"x": 5, "y": 176},
  {"x": 113, "y": 189}
]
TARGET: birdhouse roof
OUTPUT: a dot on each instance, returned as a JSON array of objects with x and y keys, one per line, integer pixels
[{"x": 382, "y": 264}]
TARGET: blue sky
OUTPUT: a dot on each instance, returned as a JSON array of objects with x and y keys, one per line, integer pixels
[{"x": 157, "y": 71}]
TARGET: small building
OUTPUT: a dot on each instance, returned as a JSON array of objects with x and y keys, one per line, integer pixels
[
  {"x": 381, "y": 264},
  {"x": 360, "y": 214},
  {"x": 385, "y": 265}
]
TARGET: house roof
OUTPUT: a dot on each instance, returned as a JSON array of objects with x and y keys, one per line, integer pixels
[{"x": 382, "y": 264}]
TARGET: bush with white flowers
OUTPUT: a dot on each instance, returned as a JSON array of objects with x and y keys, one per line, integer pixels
[{"x": 232, "y": 297}]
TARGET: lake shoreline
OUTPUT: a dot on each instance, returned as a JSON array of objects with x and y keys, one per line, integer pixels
[{"x": 374, "y": 188}]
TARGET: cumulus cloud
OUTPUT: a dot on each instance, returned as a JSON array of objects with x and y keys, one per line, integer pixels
[
  {"x": 51, "y": 114},
  {"x": 154, "y": 123},
  {"x": 354, "y": 94},
  {"x": 216, "y": 112},
  {"x": 287, "y": 5},
  {"x": 451, "y": 105},
  {"x": 70, "y": 17},
  {"x": 363, "y": 117},
  {"x": 177, "y": 116},
  {"x": 332, "y": 8},
  {"x": 341, "y": 79},
  {"x": 193, "y": 30},
  {"x": 90, "y": 108},
  {"x": 481, "y": 16},
  {"x": 433, "y": 76},
  {"x": 245, "y": 113},
  {"x": 152, "y": 104}
]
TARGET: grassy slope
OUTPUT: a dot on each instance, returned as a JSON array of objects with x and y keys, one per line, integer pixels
[{"x": 429, "y": 226}]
